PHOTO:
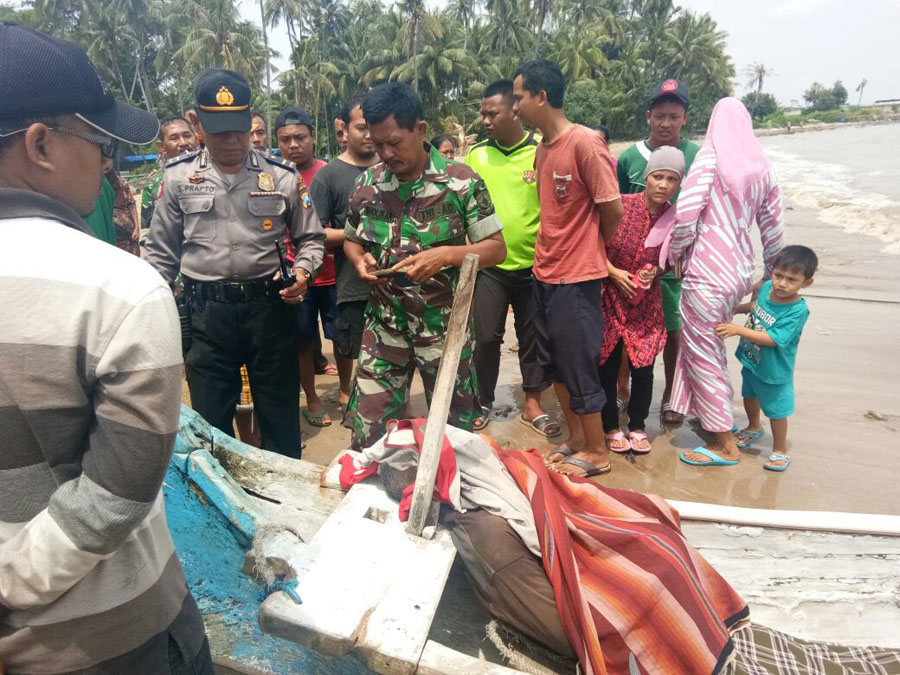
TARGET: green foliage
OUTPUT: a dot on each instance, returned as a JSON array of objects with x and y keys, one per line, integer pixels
[
  {"x": 760, "y": 105},
  {"x": 613, "y": 52},
  {"x": 819, "y": 97},
  {"x": 839, "y": 91},
  {"x": 584, "y": 104}
]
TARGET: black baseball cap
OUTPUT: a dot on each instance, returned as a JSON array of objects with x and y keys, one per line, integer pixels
[
  {"x": 671, "y": 88},
  {"x": 42, "y": 75},
  {"x": 293, "y": 115},
  {"x": 223, "y": 101}
]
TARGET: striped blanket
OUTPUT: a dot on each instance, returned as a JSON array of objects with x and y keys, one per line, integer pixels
[{"x": 625, "y": 577}]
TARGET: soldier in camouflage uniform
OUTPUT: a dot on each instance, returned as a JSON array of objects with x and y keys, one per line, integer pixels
[
  {"x": 412, "y": 213},
  {"x": 176, "y": 137}
]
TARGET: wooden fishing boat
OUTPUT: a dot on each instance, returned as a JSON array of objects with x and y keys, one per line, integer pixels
[{"x": 822, "y": 576}]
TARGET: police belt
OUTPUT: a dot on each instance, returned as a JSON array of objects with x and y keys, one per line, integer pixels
[{"x": 234, "y": 291}]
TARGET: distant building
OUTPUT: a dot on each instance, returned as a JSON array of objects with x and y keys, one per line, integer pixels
[{"x": 885, "y": 102}]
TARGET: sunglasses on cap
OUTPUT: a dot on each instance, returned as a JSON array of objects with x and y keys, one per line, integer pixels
[{"x": 108, "y": 145}]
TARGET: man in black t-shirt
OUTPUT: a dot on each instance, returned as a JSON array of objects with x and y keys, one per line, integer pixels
[{"x": 330, "y": 191}]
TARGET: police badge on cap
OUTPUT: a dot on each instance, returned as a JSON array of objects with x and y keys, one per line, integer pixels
[{"x": 223, "y": 101}]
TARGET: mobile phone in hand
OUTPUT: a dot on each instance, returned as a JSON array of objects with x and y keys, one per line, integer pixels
[{"x": 388, "y": 272}]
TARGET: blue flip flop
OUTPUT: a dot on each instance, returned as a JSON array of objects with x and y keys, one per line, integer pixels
[
  {"x": 716, "y": 460},
  {"x": 751, "y": 436},
  {"x": 774, "y": 457}
]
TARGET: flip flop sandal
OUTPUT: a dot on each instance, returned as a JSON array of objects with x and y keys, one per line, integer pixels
[
  {"x": 321, "y": 420},
  {"x": 775, "y": 457},
  {"x": 748, "y": 437},
  {"x": 331, "y": 370},
  {"x": 482, "y": 421},
  {"x": 543, "y": 424},
  {"x": 589, "y": 469},
  {"x": 618, "y": 436},
  {"x": 675, "y": 417},
  {"x": 561, "y": 449},
  {"x": 636, "y": 436},
  {"x": 716, "y": 460}
]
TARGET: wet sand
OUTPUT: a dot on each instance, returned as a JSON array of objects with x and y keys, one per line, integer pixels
[{"x": 844, "y": 437}]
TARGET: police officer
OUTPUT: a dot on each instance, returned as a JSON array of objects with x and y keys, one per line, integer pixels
[{"x": 217, "y": 222}]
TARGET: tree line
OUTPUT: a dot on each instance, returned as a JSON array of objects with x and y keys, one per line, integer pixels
[{"x": 613, "y": 52}]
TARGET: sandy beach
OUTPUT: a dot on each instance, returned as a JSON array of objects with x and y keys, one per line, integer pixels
[{"x": 844, "y": 437}]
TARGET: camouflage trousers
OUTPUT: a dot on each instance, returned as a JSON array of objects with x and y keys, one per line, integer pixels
[{"x": 384, "y": 375}]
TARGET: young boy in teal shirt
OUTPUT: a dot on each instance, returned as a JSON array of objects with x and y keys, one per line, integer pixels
[{"x": 768, "y": 349}]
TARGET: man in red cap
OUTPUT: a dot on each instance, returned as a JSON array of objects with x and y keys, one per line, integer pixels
[{"x": 667, "y": 115}]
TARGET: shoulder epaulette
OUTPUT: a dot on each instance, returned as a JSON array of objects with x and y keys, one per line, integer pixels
[
  {"x": 280, "y": 161},
  {"x": 183, "y": 158}
]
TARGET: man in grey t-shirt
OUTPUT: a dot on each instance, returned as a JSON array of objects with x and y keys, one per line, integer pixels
[{"x": 330, "y": 190}]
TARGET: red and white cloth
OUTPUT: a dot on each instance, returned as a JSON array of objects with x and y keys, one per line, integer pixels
[{"x": 470, "y": 475}]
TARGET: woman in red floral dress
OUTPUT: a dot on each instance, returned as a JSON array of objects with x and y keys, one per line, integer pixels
[{"x": 632, "y": 312}]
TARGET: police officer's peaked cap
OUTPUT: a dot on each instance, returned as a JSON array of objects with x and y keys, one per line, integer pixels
[
  {"x": 44, "y": 76},
  {"x": 293, "y": 115},
  {"x": 223, "y": 101}
]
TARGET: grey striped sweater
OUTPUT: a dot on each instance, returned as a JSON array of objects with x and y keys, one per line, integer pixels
[{"x": 90, "y": 387}]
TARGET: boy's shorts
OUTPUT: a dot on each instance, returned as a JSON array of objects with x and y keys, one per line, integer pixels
[
  {"x": 319, "y": 300},
  {"x": 670, "y": 286},
  {"x": 776, "y": 400}
]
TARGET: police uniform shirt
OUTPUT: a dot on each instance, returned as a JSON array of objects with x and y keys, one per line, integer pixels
[{"x": 214, "y": 227}]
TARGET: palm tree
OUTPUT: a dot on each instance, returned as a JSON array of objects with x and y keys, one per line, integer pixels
[
  {"x": 442, "y": 61},
  {"x": 415, "y": 10},
  {"x": 695, "y": 51},
  {"x": 859, "y": 88},
  {"x": 756, "y": 74},
  {"x": 219, "y": 39},
  {"x": 289, "y": 11},
  {"x": 580, "y": 55},
  {"x": 462, "y": 11}
]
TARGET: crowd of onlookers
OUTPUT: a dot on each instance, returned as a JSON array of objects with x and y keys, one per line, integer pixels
[{"x": 604, "y": 265}]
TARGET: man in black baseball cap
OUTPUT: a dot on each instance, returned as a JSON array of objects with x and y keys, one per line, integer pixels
[
  {"x": 52, "y": 98},
  {"x": 671, "y": 88},
  {"x": 296, "y": 138},
  {"x": 90, "y": 370}
]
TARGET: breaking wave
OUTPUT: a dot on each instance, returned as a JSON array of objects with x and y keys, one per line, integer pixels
[{"x": 828, "y": 189}]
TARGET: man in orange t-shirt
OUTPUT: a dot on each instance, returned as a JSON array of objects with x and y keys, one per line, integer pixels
[{"x": 580, "y": 211}]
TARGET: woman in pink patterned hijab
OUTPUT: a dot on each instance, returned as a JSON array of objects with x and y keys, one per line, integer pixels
[{"x": 730, "y": 185}]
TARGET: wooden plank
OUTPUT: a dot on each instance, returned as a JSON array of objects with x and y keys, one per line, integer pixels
[
  {"x": 365, "y": 584},
  {"x": 816, "y": 585},
  {"x": 457, "y": 333},
  {"x": 440, "y": 660},
  {"x": 830, "y": 521}
]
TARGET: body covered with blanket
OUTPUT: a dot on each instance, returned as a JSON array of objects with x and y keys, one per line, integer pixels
[{"x": 625, "y": 583}]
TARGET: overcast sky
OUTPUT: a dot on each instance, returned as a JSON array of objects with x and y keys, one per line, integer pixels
[{"x": 803, "y": 41}]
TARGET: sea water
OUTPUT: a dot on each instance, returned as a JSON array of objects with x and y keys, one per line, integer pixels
[{"x": 850, "y": 177}]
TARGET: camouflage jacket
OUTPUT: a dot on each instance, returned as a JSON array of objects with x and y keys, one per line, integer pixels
[
  {"x": 394, "y": 220},
  {"x": 151, "y": 194}
]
